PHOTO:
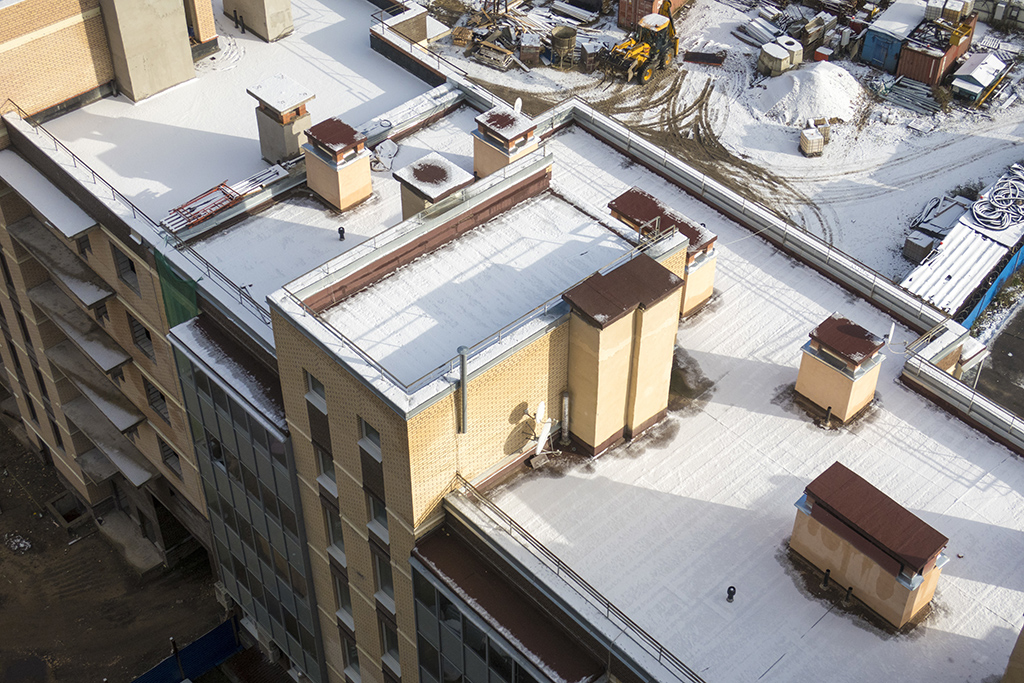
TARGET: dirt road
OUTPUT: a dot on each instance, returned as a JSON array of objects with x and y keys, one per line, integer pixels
[{"x": 77, "y": 612}]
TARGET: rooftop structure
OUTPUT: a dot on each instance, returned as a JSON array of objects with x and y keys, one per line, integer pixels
[{"x": 706, "y": 502}]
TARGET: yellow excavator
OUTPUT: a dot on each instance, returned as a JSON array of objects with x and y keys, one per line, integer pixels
[{"x": 652, "y": 45}]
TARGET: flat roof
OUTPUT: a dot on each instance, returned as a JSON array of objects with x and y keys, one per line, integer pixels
[
  {"x": 414, "y": 320},
  {"x": 846, "y": 338},
  {"x": 900, "y": 19},
  {"x": 280, "y": 93},
  {"x": 663, "y": 526},
  {"x": 166, "y": 149}
]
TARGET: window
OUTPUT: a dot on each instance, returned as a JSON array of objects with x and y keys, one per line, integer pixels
[
  {"x": 385, "y": 583},
  {"x": 335, "y": 537},
  {"x": 56, "y": 435},
  {"x": 156, "y": 400},
  {"x": 83, "y": 246},
  {"x": 125, "y": 269},
  {"x": 7, "y": 271},
  {"x": 24, "y": 328},
  {"x": 141, "y": 337},
  {"x": 389, "y": 646},
  {"x": 170, "y": 458},
  {"x": 369, "y": 439},
  {"x": 316, "y": 393},
  {"x": 343, "y": 597},
  {"x": 351, "y": 657},
  {"x": 42, "y": 384},
  {"x": 378, "y": 512},
  {"x": 31, "y": 409},
  {"x": 326, "y": 463},
  {"x": 102, "y": 316}
]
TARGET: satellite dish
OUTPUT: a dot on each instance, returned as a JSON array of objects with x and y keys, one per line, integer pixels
[
  {"x": 518, "y": 105},
  {"x": 545, "y": 434},
  {"x": 539, "y": 418}
]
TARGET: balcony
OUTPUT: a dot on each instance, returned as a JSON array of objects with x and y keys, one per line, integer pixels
[
  {"x": 109, "y": 441},
  {"x": 94, "y": 385},
  {"x": 77, "y": 326},
  {"x": 64, "y": 266}
]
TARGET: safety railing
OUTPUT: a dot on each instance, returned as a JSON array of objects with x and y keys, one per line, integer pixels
[
  {"x": 401, "y": 41},
  {"x": 207, "y": 269},
  {"x": 593, "y": 596}
]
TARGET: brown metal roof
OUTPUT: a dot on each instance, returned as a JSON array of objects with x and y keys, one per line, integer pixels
[
  {"x": 640, "y": 208},
  {"x": 603, "y": 299},
  {"x": 504, "y": 124},
  {"x": 847, "y": 339},
  {"x": 335, "y": 135},
  {"x": 876, "y": 516},
  {"x": 505, "y": 607}
]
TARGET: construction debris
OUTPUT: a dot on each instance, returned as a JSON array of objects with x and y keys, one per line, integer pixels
[{"x": 712, "y": 58}]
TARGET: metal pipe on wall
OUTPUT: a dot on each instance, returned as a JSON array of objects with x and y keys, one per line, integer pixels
[{"x": 463, "y": 386}]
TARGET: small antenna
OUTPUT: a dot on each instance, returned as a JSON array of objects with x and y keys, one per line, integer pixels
[{"x": 518, "y": 107}]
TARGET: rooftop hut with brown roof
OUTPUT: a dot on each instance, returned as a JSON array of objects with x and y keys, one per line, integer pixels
[
  {"x": 696, "y": 266},
  {"x": 839, "y": 367},
  {"x": 501, "y": 137},
  {"x": 865, "y": 540},
  {"x": 337, "y": 163},
  {"x": 427, "y": 181},
  {"x": 621, "y": 339}
]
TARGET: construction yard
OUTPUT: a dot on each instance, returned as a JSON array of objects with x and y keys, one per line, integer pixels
[
  {"x": 884, "y": 161},
  {"x": 71, "y": 609}
]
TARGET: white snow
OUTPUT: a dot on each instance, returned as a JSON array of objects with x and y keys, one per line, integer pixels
[
  {"x": 280, "y": 93},
  {"x": 414, "y": 320},
  {"x": 900, "y": 19},
  {"x": 820, "y": 89},
  {"x": 240, "y": 381},
  {"x": 664, "y": 526},
  {"x": 176, "y": 145},
  {"x": 434, "y": 176},
  {"x": 43, "y": 196}
]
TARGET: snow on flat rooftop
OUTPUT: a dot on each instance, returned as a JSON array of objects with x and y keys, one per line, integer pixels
[
  {"x": 280, "y": 93},
  {"x": 297, "y": 234},
  {"x": 414, "y": 320},
  {"x": 901, "y": 18},
  {"x": 663, "y": 527},
  {"x": 164, "y": 150}
]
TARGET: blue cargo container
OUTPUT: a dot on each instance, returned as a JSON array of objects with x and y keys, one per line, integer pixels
[{"x": 885, "y": 37}]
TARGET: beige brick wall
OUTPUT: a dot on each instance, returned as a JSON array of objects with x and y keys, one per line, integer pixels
[{"x": 51, "y": 51}]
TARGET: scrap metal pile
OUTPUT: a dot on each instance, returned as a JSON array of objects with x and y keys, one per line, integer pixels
[{"x": 494, "y": 38}]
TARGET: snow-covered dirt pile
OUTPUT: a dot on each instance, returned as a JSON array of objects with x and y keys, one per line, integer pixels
[{"x": 816, "y": 90}]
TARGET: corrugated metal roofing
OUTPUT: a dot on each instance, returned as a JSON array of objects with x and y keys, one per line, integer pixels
[
  {"x": 981, "y": 68},
  {"x": 959, "y": 265},
  {"x": 857, "y": 503}
]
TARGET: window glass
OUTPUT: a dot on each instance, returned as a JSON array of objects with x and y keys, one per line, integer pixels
[
  {"x": 475, "y": 639},
  {"x": 371, "y": 434},
  {"x": 378, "y": 512},
  {"x": 500, "y": 663},
  {"x": 335, "y": 536},
  {"x": 450, "y": 674},
  {"x": 326, "y": 462},
  {"x": 385, "y": 583},
  {"x": 428, "y": 658},
  {"x": 351, "y": 655},
  {"x": 450, "y": 615},
  {"x": 315, "y": 386},
  {"x": 342, "y": 594},
  {"x": 389, "y": 640},
  {"x": 141, "y": 336},
  {"x": 125, "y": 269},
  {"x": 424, "y": 591}
]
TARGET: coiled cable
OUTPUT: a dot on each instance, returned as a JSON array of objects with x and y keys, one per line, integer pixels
[{"x": 1003, "y": 207}]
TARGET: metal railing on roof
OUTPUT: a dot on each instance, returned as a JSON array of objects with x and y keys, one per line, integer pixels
[
  {"x": 208, "y": 269},
  {"x": 527, "y": 540},
  {"x": 427, "y": 58}
]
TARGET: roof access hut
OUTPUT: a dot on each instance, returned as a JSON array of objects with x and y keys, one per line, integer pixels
[
  {"x": 651, "y": 218},
  {"x": 887, "y": 556},
  {"x": 337, "y": 163},
  {"x": 427, "y": 181},
  {"x": 281, "y": 117},
  {"x": 839, "y": 368},
  {"x": 502, "y": 136}
]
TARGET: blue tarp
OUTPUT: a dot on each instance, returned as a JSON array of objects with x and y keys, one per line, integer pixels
[
  {"x": 197, "y": 657},
  {"x": 1015, "y": 262}
]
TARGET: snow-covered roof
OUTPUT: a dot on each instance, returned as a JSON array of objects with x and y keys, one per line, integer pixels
[
  {"x": 955, "y": 269},
  {"x": 40, "y": 193},
  {"x": 164, "y": 150},
  {"x": 900, "y": 19},
  {"x": 280, "y": 93},
  {"x": 664, "y": 526},
  {"x": 506, "y": 124},
  {"x": 414, "y": 320},
  {"x": 434, "y": 176},
  {"x": 980, "y": 69}
]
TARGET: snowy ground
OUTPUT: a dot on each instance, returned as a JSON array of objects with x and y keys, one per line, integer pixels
[
  {"x": 859, "y": 195},
  {"x": 175, "y": 145},
  {"x": 705, "y": 501}
]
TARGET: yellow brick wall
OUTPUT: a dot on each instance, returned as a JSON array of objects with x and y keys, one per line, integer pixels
[
  {"x": 49, "y": 54},
  {"x": 201, "y": 14}
]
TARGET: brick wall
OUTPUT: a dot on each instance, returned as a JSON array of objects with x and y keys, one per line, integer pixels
[{"x": 51, "y": 51}]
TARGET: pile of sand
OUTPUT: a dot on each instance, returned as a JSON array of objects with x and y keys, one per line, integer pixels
[{"x": 815, "y": 89}]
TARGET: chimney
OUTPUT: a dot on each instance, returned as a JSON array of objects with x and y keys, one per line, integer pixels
[
  {"x": 337, "y": 163},
  {"x": 501, "y": 137},
  {"x": 281, "y": 117},
  {"x": 269, "y": 19},
  {"x": 428, "y": 181}
]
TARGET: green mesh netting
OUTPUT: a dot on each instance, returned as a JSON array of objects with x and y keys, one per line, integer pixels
[{"x": 179, "y": 293}]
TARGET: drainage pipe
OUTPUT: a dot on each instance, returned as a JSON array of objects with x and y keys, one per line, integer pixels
[{"x": 463, "y": 386}]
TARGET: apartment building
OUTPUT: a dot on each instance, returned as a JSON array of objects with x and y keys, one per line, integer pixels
[{"x": 323, "y": 372}]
